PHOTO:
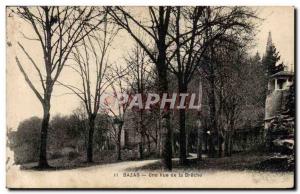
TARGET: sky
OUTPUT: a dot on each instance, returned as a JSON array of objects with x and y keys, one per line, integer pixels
[
  {"x": 22, "y": 103},
  {"x": 280, "y": 22}
]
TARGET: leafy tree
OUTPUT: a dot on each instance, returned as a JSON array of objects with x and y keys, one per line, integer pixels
[
  {"x": 270, "y": 60},
  {"x": 25, "y": 141}
]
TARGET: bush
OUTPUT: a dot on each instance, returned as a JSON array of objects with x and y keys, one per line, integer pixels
[
  {"x": 72, "y": 155},
  {"x": 25, "y": 141}
]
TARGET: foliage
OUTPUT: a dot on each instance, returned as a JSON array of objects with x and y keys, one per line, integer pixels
[
  {"x": 291, "y": 100},
  {"x": 270, "y": 60},
  {"x": 25, "y": 141}
]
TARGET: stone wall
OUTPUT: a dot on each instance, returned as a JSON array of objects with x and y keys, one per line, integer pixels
[{"x": 274, "y": 104}]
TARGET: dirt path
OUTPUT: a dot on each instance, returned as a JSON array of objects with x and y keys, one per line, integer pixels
[{"x": 116, "y": 176}]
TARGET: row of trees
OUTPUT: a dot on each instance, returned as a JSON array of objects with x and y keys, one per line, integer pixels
[
  {"x": 182, "y": 50},
  {"x": 170, "y": 43}
]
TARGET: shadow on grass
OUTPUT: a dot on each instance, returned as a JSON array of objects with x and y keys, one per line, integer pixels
[
  {"x": 237, "y": 162},
  {"x": 67, "y": 164}
]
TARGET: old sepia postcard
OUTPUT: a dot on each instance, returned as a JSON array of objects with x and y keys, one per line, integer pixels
[{"x": 124, "y": 97}]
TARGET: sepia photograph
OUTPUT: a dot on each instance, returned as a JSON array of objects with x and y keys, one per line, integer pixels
[{"x": 150, "y": 97}]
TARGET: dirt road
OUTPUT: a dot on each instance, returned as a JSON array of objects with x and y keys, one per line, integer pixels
[{"x": 116, "y": 176}]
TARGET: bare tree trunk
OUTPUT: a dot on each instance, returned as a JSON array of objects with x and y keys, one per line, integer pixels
[
  {"x": 160, "y": 142},
  {"x": 230, "y": 143},
  {"x": 182, "y": 130},
  {"x": 90, "y": 139},
  {"x": 141, "y": 145},
  {"x": 119, "y": 142},
  {"x": 43, "y": 163},
  {"x": 226, "y": 150},
  {"x": 149, "y": 144},
  {"x": 85, "y": 137},
  {"x": 206, "y": 142},
  {"x": 212, "y": 108},
  {"x": 220, "y": 144},
  {"x": 142, "y": 132},
  {"x": 174, "y": 149},
  {"x": 163, "y": 80},
  {"x": 199, "y": 147},
  {"x": 167, "y": 142},
  {"x": 199, "y": 141},
  {"x": 182, "y": 138}
]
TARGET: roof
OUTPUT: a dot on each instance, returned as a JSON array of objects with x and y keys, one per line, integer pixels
[{"x": 283, "y": 73}]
